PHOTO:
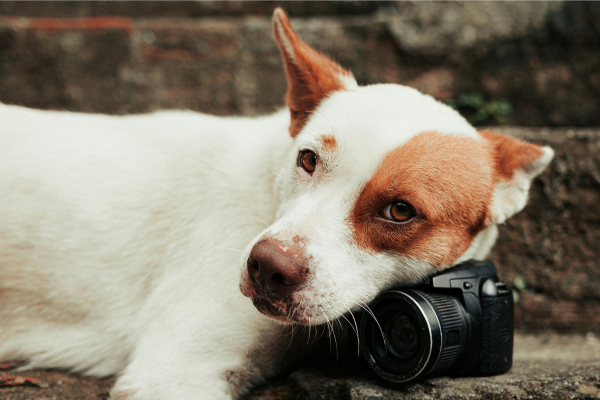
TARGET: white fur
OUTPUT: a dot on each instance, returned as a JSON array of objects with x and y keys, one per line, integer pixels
[
  {"x": 122, "y": 238},
  {"x": 287, "y": 45},
  {"x": 510, "y": 197}
]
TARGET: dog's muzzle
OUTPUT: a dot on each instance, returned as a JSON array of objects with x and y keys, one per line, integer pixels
[{"x": 276, "y": 269}]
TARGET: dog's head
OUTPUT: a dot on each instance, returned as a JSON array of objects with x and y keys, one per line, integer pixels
[{"x": 383, "y": 186}]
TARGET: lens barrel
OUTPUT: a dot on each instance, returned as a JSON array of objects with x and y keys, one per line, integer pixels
[{"x": 413, "y": 334}]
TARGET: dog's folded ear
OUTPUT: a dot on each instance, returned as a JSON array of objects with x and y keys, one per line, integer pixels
[
  {"x": 311, "y": 75},
  {"x": 516, "y": 164}
]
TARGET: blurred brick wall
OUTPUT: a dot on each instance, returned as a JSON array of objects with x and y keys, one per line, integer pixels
[
  {"x": 219, "y": 57},
  {"x": 549, "y": 253}
]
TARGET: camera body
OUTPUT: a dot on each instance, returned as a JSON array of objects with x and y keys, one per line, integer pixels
[{"x": 458, "y": 322}]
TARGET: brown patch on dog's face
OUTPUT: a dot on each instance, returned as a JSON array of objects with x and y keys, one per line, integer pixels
[
  {"x": 328, "y": 143},
  {"x": 446, "y": 179},
  {"x": 511, "y": 154}
]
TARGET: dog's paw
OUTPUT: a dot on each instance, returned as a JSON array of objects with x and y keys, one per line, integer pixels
[
  {"x": 168, "y": 387},
  {"x": 121, "y": 395}
]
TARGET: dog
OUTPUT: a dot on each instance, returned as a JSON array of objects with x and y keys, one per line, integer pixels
[{"x": 174, "y": 249}]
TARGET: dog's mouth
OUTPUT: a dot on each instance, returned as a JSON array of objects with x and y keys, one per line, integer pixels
[
  {"x": 277, "y": 310},
  {"x": 289, "y": 310},
  {"x": 286, "y": 309}
]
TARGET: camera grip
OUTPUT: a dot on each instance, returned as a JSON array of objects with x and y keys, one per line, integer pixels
[{"x": 497, "y": 334}]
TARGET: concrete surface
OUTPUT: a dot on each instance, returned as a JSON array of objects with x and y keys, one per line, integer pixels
[{"x": 547, "y": 366}]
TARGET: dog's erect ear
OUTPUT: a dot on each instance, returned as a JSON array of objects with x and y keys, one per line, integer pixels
[
  {"x": 516, "y": 164},
  {"x": 311, "y": 75}
]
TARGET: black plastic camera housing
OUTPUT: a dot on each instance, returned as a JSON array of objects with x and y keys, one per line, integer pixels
[{"x": 458, "y": 322}]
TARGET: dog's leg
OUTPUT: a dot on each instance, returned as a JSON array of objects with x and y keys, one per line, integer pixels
[
  {"x": 196, "y": 347},
  {"x": 222, "y": 366},
  {"x": 221, "y": 351}
]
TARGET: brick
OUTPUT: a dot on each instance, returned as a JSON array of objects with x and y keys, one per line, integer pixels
[
  {"x": 69, "y": 64},
  {"x": 67, "y": 24},
  {"x": 184, "y": 9}
]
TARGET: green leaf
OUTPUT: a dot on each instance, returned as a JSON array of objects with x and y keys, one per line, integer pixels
[{"x": 519, "y": 283}]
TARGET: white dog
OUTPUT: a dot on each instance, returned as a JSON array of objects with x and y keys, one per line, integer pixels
[{"x": 122, "y": 238}]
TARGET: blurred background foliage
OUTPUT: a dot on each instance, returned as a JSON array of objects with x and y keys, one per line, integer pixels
[{"x": 480, "y": 112}]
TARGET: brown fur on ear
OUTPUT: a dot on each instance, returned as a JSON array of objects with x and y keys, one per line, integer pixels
[
  {"x": 512, "y": 154},
  {"x": 311, "y": 75}
]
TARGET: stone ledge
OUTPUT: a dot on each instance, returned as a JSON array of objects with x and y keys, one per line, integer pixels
[
  {"x": 527, "y": 380},
  {"x": 549, "y": 367},
  {"x": 546, "y": 367}
]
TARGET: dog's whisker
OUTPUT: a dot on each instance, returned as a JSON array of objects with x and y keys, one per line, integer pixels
[
  {"x": 349, "y": 323},
  {"x": 310, "y": 329},
  {"x": 366, "y": 308},
  {"x": 291, "y": 338},
  {"x": 251, "y": 234},
  {"x": 258, "y": 218},
  {"x": 318, "y": 335},
  {"x": 325, "y": 328},
  {"x": 326, "y": 119},
  {"x": 274, "y": 331},
  {"x": 263, "y": 221},
  {"x": 284, "y": 332},
  {"x": 308, "y": 338},
  {"x": 327, "y": 323},
  {"x": 332, "y": 332},
  {"x": 342, "y": 330},
  {"x": 228, "y": 248},
  {"x": 356, "y": 330},
  {"x": 354, "y": 327}
]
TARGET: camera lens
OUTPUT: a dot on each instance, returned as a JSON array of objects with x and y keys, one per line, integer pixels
[
  {"x": 403, "y": 335},
  {"x": 412, "y": 334}
]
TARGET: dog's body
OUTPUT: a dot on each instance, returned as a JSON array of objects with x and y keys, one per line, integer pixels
[
  {"x": 109, "y": 226},
  {"x": 122, "y": 238}
]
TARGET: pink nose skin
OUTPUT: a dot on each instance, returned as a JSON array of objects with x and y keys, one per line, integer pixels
[{"x": 277, "y": 268}]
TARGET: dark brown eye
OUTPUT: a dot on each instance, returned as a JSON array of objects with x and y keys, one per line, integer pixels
[
  {"x": 398, "y": 212},
  {"x": 308, "y": 161}
]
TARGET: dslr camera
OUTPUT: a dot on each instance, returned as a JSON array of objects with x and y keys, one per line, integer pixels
[{"x": 459, "y": 322}]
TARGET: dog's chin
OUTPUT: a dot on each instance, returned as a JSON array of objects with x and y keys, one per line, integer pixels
[
  {"x": 286, "y": 311},
  {"x": 280, "y": 310},
  {"x": 265, "y": 307}
]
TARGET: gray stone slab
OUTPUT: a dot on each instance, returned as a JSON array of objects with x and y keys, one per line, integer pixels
[{"x": 545, "y": 367}]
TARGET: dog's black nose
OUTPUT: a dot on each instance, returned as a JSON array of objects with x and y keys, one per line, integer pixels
[{"x": 277, "y": 268}]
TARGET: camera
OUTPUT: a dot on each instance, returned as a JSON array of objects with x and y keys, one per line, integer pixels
[{"x": 459, "y": 322}]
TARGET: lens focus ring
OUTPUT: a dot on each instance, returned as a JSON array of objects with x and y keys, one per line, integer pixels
[{"x": 448, "y": 311}]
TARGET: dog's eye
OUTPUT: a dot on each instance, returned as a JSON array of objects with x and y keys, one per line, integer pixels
[
  {"x": 398, "y": 211},
  {"x": 308, "y": 161}
]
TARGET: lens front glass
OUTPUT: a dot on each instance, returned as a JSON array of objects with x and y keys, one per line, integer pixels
[
  {"x": 400, "y": 342},
  {"x": 404, "y": 336}
]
